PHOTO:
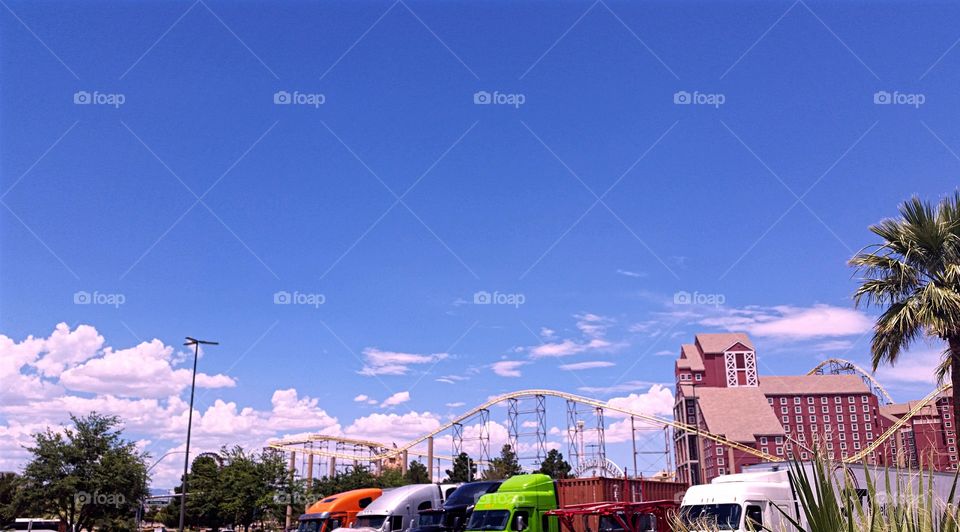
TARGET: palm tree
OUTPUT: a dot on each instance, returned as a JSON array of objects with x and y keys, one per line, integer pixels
[{"x": 914, "y": 275}]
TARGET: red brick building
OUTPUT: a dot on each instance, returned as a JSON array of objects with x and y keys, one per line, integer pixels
[
  {"x": 927, "y": 439},
  {"x": 720, "y": 390}
]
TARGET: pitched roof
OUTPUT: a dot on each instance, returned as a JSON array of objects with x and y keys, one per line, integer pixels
[
  {"x": 720, "y": 342},
  {"x": 690, "y": 358},
  {"x": 751, "y": 416},
  {"x": 812, "y": 384},
  {"x": 898, "y": 410}
]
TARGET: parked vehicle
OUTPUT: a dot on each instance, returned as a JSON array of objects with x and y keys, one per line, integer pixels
[
  {"x": 457, "y": 508},
  {"x": 337, "y": 511},
  {"x": 750, "y": 500},
  {"x": 519, "y": 505},
  {"x": 396, "y": 510},
  {"x": 35, "y": 524}
]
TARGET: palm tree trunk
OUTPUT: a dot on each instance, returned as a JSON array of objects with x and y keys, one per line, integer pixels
[{"x": 954, "y": 342}]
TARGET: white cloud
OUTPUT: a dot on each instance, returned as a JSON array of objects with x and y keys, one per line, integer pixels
[
  {"x": 623, "y": 387},
  {"x": 361, "y": 398},
  {"x": 395, "y": 427},
  {"x": 796, "y": 323},
  {"x": 567, "y": 347},
  {"x": 629, "y": 273},
  {"x": 451, "y": 379},
  {"x": 141, "y": 371},
  {"x": 915, "y": 367},
  {"x": 396, "y": 399},
  {"x": 379, "y": 362},
  {"x": 593, "y": 364},
  {"x": 457, "y": 404},
  {"x": 65, "y": 347},
  {"x": 508, "y": 368},
  {"x": 657, "y": 401}
]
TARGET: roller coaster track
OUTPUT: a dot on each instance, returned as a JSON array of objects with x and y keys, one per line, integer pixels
[
  {"x": 920, "y": 405},
  {"x": 875, "y": 387},
  {"x": 676, "y": 425}
]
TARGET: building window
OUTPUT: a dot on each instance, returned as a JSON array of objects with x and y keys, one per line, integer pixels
[
  {"x": 869, "y": 436},
  {"x": 779, "y": 452},
  {"x": 826, "y": 419},
  {"x": 843, "y": 436},
  {"x": 699, "y": 378},
  {"x": 763, "y": 440},
  {"x": 783, "y": 400},
  {"x": 778, "y": 440},
  {"x": 863, "y": 398},
  {"x": 836, "y": 399},
  {"x": 850, "y": 399},
  {"x": 770, "y": 400},
  {"x": 840, "y": 418},
  {"x": 840, "y": 427},
  {"x": 853, "y": 408},
  {"x": 800, "y": 429},
  {"x": 799, "y": 419},
  {"x": 796, "y": 400},
  {"x": 854, "y": 427},
  {"x": 866, "y": 409},
  {"x": 829, "y": 446},
  {"x": 825, "y": 409},
  {"x": 856, "y": 437},
  {"x": 853, "y": 417},
  {"x": 839, "y": 408},
  {"x": 796, "y": 409},
  {"x": 785, "y": 419},
  {"x": 803, "y": 456},
  {"x": 868, "y": 426},
  {"x": 823, "y": 400},
  {"x": 720, "y": 471},
  {"x": 811, "y": 409},
  {"x": 784, "y": 410},
  {"x": 856, "y": 446},
  {"x": 809, "y": 400},
  {"x": 786, "y": 428},
  {"x": 719, "y": 462}
]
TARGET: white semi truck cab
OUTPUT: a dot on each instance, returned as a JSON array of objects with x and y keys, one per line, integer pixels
[{"x": 732, "y": 502}]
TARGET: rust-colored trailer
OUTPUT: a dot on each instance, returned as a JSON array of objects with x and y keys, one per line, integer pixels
[{"x": 649, "y": 516}]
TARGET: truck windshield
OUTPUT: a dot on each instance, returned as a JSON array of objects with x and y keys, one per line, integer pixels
[
  {"x": 718, "y": 516},
  {"x": 430, "y": 519},
  {"x": 370, "y": 521},
  {"x": 489, "y": 520},
  {"x": 313, "y": 525}
]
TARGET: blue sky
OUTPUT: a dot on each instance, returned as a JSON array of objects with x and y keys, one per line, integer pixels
[{"x": 197, "y": 199}]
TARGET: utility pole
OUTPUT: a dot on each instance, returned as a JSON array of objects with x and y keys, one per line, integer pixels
[{"x": 186, "y": 461}]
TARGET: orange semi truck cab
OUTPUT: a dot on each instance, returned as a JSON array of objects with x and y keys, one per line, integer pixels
[{"x": 337, "y": 511}]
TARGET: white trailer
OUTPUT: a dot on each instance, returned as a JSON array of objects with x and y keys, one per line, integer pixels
[{"x": 759, "y": 494}]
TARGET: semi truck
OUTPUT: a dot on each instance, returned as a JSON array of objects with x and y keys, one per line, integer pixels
[
  {"x": 520, "y": 504},
  {"x": 396, "y": 509},
  {"x": 754, "y": 499},
  {"x": 337, "y": 511},
  {"x": 456, "y": 509}
]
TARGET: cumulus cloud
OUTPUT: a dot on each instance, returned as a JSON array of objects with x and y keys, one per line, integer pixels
[
  {"x": 396, "y": 399},
  {"x": 141, "y": 371},
  {"x": 508, "y": 368},
  {"x": 593, "y": 329},
  {"x": 400, "y": 427},
  {"x": 378, "y": 362}
]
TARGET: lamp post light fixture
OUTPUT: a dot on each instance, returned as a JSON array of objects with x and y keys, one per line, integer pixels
[{"x": 186, "y": 460}]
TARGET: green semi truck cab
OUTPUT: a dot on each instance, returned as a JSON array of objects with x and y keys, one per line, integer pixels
[{"x": 519, "y": 505}]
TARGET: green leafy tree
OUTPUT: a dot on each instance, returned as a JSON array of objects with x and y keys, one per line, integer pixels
[
  {"x": 206, "y": 494},
  {"x": 87, "y": 475},
  {"x": 417, "y": 473},
  {"x": 504, "y": 466},
  {"x": 914, "y": 276},
  {"x": 464, "y": 469},
  {"x": 9, "y": 498},
  {"x": 555, "y": 466}
]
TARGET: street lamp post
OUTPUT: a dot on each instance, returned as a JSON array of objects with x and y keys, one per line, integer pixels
[{"x": 186, "y": 461}]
